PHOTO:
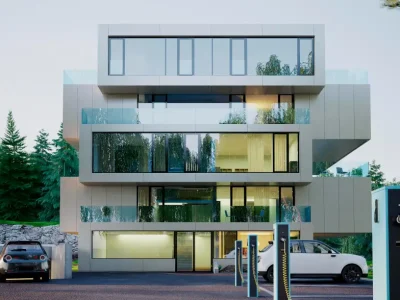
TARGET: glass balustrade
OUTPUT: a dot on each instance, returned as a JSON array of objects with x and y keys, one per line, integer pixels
[
  {"x": 198, "y": 116},
  {"x": 196, "y": 213}
]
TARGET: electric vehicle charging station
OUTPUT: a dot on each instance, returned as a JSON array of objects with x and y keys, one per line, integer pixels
[
  {"x": 252, "y": 268},
  {"x": 281, "y": 263},
  {"x": 239, "y": 280},
  {"x": 386, "y": 243}
]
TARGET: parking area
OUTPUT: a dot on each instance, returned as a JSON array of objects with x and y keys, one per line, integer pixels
[{"x": 170, "y": 286}]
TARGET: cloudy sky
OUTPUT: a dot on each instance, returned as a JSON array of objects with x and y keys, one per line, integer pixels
[{"x": 41, "y": 38}]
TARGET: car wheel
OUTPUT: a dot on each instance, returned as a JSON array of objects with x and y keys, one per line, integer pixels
[
  {"x": 269, "y": 276},
  {"x": 351, "y": 274},
  {"x": 45, "y": 278},
  {"x": 2, "y": 278}
]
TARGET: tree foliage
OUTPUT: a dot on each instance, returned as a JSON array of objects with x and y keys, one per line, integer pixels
[
  {"x": 63, "y": 162},
  {"x": 377, "y": 176},
  {"x": 391, "y": 3},
  {"x": 16, "y": 176}
]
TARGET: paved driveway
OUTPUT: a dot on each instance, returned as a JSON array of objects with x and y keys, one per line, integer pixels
[{"x": 168, "y": 286}]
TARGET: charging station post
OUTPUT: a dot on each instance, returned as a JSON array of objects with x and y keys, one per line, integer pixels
[
  {"x": 386, "y": 242},
  {"x": 252, "y": 268},
  {"x": 238, "y": 264},
  {"x": 281, "y": 263}
]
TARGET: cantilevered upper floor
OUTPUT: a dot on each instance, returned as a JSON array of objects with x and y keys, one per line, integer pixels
[{"x": 257, "y": 58}]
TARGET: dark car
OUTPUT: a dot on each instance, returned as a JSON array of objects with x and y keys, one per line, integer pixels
[{"x": 24, "y": 259}]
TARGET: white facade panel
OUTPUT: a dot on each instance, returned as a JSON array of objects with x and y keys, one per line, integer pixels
[
  {"x": 332, "y": 112},
  {"x": 331, "y": 204},
  {"x": 346, "y": 111}
]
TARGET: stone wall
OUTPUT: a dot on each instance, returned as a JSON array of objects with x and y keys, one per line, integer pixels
[{"x": 45, "y": 235}]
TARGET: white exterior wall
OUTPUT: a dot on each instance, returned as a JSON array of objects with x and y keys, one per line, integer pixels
[{"x": 338, "y": 204}]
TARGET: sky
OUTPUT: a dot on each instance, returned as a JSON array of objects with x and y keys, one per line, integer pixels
[{"x": 41, "y": 38}]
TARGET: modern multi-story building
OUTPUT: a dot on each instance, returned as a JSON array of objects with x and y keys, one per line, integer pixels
[{"x": 193, "y": 136}]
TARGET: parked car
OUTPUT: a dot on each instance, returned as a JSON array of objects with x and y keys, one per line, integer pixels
[
  {"x": 315, "y": 259},
  {"x": 24, "y": 259}
]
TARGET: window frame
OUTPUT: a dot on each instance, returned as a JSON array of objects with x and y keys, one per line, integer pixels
[
  {"x": 110, "y": 39},
  {"x": 179, "y": 53}
]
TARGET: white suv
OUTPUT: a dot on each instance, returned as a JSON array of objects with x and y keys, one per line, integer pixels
[{"x": 314, "y": 259}]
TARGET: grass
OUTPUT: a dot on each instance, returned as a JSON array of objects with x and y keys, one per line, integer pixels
[
  {"x": 75, "y": 265},
  {"x": 370, "y": 272},
  {"x": 35, "y": 224}
]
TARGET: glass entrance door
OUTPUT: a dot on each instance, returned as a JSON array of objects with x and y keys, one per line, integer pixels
[
  {"x": 193, "y": 251},
  {"x": 202, "y": 244},
  {"x": 184, "y": 252}
]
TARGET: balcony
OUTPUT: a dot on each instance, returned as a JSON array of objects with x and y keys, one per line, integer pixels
[
  {"x": 340, "y": 169},
  {"x": 196, "y": 213},
  {"x": 211, "y": 115}
]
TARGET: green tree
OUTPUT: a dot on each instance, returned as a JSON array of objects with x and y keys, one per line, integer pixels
[
  {"x": 16, "y": 176},
  {"x": 64, "y": 163},
  {"x": 377, "y": 176},
  {"x": 40, "y": 159},
  {"x": 272, "y": 67},
  {"x": 391, "y": 3}
]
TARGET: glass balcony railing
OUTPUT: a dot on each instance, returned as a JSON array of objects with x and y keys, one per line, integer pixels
[
  {"x": 205, "y": 116},
  {"x": 340, "y": 169},
  {"x": 80, "y": 77},
  {"x": 196, "y": 213},
  {"x": 346, "y": 77}
]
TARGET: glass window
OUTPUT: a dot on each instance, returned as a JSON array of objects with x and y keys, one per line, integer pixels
[
  {"x": 224, "y": 203},
  {"x": 221, "y": 56},
  {"x": 132, "y": 244},
  {"x": 185, "y": 54},
  {"x": 224, "y": 244},
  {"x": 144, "y": 56},
  {"x": 293, "y": 152},
  {"x": 116, "y": 65},
  {"x": 159, "y": 152},
  {"x": 203, "y": 57},
  {"x": 286, "y": 101},
  {"x": 295, "y": 247},
  {"x": 175, "y": 152},
  {"x": 272, "y": 56},
  {"x": 143, "y": 196},
  {"x": 280, "y": 152},
  {"x": 315, "y": 247},
  {"x": 263, "y": 198},
  {"x": 172, "y": 57},
  {"x": 238, "y": 62},
  {"x": 191, "y": 153},
  {"x": 306, "y": 57},
  {"x": 238, "y": 196},
  {"x": 264, "y": 237},
  {"x": 287, "y": 198},
  {"x": 203, "y": 152}
]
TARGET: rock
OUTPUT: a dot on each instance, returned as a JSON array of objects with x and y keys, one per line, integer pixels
[{"x": 46, "y": 235}]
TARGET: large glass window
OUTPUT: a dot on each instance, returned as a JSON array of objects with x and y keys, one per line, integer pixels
[
  {"x": 306, "y": 56},
  {"x": 203, "y": 57},
  {"x": 116, "y": 63},
  {"x": 211, "y": 56},
  {"x": 132, "y": 244},
  {"x": 272, "y": 56},
  {"x": 220, "y": 57},
  {"x": 185, "y": 55},
  {"x": 144, "y": 56},
  {"x": 280, "y": 151},
  {"x": 224, "y": 244},
  {"x": 195, "y": 152},
  {"x": 238, "y": 57}
]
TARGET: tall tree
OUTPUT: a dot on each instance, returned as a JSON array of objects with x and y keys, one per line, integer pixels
[
  {"x": 40, "y": 159},
  {"x": 16, "y": 176},
  {"x": 377, "y": 176},
  {"x": 63, "y": 163}
]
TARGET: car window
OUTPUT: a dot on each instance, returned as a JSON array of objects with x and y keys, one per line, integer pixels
[
  {"x": 266, "y": 248},
  {"x": 295, "y": 247},
  {"x": 315, "y": 247},
  {"x": 23, "y": 248}
]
